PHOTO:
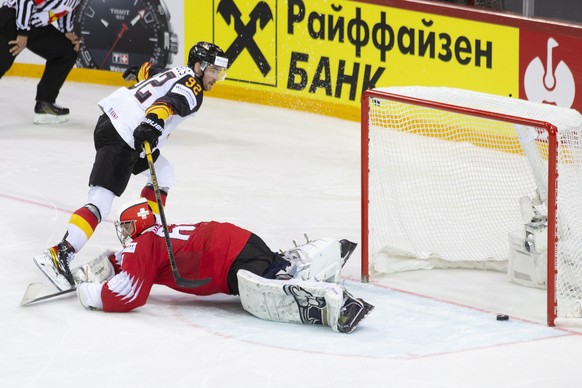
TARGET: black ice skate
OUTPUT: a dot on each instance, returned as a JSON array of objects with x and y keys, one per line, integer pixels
[
  {"x": 352, "y": 313},
  {"x": 54, "y": 263},
  {"x": 49, "y": 113}
]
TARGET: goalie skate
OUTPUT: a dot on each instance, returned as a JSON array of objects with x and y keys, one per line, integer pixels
[
  {"x": 54, "y": 263},
  {"x": 353, "y": 311}
]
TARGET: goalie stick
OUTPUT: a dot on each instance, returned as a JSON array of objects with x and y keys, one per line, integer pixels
[
  {"x": 30, "y": 295},
  {"x": 182, "y": 282}
]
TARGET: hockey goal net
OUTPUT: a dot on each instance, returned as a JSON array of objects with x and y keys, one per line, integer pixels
[{"x": 459, "y": 179}]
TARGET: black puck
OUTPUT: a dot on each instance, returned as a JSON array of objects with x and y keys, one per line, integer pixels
[{"x": 502, "y": 317}]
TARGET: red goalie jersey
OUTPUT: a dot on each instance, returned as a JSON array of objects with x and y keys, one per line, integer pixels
[{"x": 203, "y": 250}]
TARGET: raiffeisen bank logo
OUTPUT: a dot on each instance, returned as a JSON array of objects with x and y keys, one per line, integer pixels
[
  {"x": 552, "y": 82},
  {"x": 249, "y": 36}
]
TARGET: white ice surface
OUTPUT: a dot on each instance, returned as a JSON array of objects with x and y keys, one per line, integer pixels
[{"x": 280, "y": 174}]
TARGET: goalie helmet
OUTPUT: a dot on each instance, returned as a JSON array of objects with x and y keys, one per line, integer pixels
[
  {"x": 132, "y": 219},
  {"x": 208, "y": 54}
]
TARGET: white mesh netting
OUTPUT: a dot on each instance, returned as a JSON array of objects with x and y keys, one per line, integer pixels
[{"x": 444, "y": 187}]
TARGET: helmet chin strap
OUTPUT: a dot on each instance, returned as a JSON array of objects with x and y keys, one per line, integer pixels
[{"x": 202, "y": 68}]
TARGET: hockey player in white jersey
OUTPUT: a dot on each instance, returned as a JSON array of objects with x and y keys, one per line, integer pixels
[{"x": 147, "y": 111}]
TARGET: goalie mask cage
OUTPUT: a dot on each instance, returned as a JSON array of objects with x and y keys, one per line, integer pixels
[{"x": 444, "y": 174}]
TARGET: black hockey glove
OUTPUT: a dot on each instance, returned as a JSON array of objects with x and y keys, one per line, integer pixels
[
  {"x": 131, "y": 73},
  {"x": 150, "y": 129}
]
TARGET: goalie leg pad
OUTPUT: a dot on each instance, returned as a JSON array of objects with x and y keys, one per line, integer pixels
[{"x": 293, "y": 300}]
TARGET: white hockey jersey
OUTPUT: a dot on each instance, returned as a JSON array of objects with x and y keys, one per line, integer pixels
[{"x": 178, "y": 89}]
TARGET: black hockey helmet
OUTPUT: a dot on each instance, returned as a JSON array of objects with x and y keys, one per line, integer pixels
[{"x": 207, "y": 54}]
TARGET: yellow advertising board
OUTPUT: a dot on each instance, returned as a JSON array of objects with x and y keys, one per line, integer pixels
[{"x": 320, "y": 55}]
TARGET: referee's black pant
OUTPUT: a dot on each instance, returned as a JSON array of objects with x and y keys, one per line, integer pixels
[{"x": 47, "y": 42}]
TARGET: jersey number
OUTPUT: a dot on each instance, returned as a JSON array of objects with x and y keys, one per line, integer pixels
[
  {"x": 143, "y": 92},
  {"x": 179, "y": 232},
  {"x": 195, "y": 86}
]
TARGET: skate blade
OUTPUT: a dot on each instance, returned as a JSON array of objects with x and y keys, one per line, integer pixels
[
  {"x": 45, "y": 118},
  {"x": 31, "y": 293}
]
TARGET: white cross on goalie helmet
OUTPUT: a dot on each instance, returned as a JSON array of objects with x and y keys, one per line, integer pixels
[{"x": 132, "y": 219}]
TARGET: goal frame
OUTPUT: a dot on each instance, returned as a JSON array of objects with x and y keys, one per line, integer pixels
[{"x": 551, "y": 304}]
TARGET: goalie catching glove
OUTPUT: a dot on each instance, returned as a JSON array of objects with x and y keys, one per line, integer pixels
[
  {"x": 97, "y": 270},
  {"x": 149, "y": 130}
]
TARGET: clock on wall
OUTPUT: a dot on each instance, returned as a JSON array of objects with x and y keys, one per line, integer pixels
[{"x": 117, "y": 34}]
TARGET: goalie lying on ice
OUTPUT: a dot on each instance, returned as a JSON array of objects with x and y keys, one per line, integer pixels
[{"x": 299, "y": 285}]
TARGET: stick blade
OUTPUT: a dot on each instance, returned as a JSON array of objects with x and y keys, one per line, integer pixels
[
  {"x": 30, "y": 294},
  {"x": 187, "y": 283}
]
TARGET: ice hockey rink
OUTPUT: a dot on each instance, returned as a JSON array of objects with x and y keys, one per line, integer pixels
[{"x": 280, "y": 174}]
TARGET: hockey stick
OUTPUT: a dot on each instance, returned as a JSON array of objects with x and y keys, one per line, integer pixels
[
  {"x": 182, "y": 282},
  {"x": 33, "y": 290}
]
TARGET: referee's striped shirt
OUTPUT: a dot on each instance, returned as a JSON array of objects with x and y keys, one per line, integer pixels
[{"x": 55, "y": 10}]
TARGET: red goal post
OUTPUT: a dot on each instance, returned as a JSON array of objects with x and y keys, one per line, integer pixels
[{"x": 446, "y": 179}]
